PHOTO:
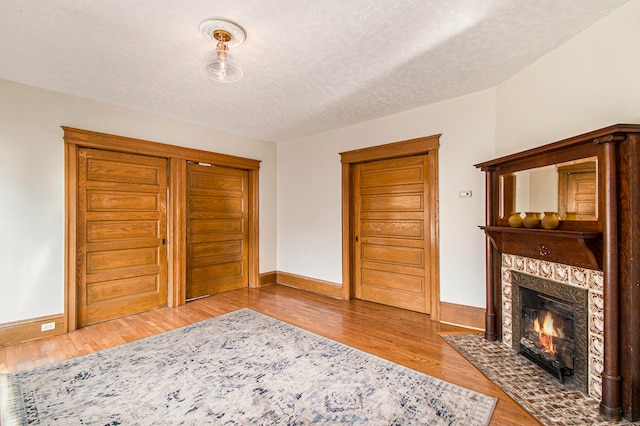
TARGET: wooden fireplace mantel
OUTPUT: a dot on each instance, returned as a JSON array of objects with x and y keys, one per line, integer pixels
[
  {"x": 609, "y": 242},
  {"x": 577, "y": 248}
]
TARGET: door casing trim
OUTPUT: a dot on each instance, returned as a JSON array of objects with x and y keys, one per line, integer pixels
[
  {"x": 419, "y": 146},
  {"x": 176, "y": 209}
]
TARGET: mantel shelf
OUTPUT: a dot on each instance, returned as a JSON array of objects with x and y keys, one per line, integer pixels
[
  {"x": 577, "y": 248},
  {"x": 535, "y": 231}
]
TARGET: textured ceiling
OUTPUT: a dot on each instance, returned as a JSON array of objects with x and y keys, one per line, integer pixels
[{"x": 309, "y": 65}]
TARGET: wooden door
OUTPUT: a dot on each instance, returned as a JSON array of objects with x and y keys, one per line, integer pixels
[
  {"x": 392, "y": 233},
  {"x": 121, "y": 236},
  {"x": 217, "y": 234}
]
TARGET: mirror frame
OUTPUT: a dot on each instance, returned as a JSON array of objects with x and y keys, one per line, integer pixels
[
  {"x": 507, "y": 188},
  {"x": 531, "y": 159}
]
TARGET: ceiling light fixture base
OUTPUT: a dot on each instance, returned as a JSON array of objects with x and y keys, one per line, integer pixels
[{"x": 213, "y": 29}]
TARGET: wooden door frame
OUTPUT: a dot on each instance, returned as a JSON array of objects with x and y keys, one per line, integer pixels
[
  {"x": 176, "y": 207},
  {"x": 420, "y": 146}
]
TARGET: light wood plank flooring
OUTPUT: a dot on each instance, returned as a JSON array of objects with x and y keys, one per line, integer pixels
[{"x": 405, "y": 337}]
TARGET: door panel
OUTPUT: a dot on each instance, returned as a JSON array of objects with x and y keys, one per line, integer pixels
[
  {"x": 391, "y": 228},
  {"x": 114, "y": 201},
  {"x": 122, "y": 227},
  {"x": 217, "y": 235},
  {"x": 109, "y": 230},
  {"x": 99, "y": 292},
  {"x": 392, "y": 247},
  {"x": 393, "y": 255},
  {"x": 403, "y": 282},
  {"x": 375, "y": 202},
  {"x": 581, "y": 195},
  {"x": 121, "y": 259}
]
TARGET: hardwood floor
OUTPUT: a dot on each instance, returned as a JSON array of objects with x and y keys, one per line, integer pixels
[{"x": 402, "y": 336}]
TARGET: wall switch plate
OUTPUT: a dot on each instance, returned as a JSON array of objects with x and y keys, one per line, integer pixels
[
  {"x": 48, "y": 326},
  {"x": 465, "y": 193}
]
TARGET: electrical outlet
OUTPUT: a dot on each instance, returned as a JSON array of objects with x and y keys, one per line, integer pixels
[{"x": 48, "y": 326}]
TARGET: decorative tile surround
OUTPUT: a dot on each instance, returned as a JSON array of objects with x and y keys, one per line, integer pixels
[{"x": 588, "y": 279}]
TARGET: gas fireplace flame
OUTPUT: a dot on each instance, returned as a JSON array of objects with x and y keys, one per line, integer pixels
[{"x": 547, "y": 332}]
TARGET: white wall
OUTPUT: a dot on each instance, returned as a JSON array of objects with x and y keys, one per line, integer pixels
[
  {"x": 32, "y": 185},
  {"x": 590, "y": 82},
  {"x": 309, "y": 191}
]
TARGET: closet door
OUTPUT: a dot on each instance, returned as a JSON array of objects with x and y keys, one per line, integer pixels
[
  {"x": 392, "y": 258},
  {"x": 121, "y": 235},
  {"x": 217, "y": 234}
]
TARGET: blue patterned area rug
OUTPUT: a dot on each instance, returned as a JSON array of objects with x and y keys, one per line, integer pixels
[{"x": 242, "y": 368}]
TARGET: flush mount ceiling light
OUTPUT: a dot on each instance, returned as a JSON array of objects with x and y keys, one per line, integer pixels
[{"x": 221, "y": 65}]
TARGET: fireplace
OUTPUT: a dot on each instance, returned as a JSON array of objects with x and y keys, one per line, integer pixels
[
  {"x": 606, "y": 249},
  {"x": 549, "y": 326}
]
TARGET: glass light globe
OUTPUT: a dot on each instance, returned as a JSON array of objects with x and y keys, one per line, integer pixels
[{"x": 222, "y": 67}]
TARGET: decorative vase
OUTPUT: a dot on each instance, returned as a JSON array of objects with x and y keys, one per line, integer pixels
[
  {"x": 531, "y": 219},
  {"x": 550, "y": 220},
  {"x": 515, "y": 220}
]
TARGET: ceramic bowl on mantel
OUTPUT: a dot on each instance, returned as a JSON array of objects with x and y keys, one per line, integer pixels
[
  {"x": 531, "y": 219},
  {"x": 515, "y": 220},
  {"x": 550, "y": 220}
]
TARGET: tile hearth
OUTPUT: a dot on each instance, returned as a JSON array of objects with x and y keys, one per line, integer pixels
[{"x": 529, "y": 385}]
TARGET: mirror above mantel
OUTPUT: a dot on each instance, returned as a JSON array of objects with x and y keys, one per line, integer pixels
[{"x": 569, "y": 188}]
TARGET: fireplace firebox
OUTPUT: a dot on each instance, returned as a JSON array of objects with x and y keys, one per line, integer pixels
[
  {"x": 547, "y": 332},
  {"x": 552, "y": 328}
]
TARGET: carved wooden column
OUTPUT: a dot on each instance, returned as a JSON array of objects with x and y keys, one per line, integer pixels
[
  {"x": 490, "y": 318},
  {"x": 628, "y": 186},
  {"x": 610, "y": 406}
]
